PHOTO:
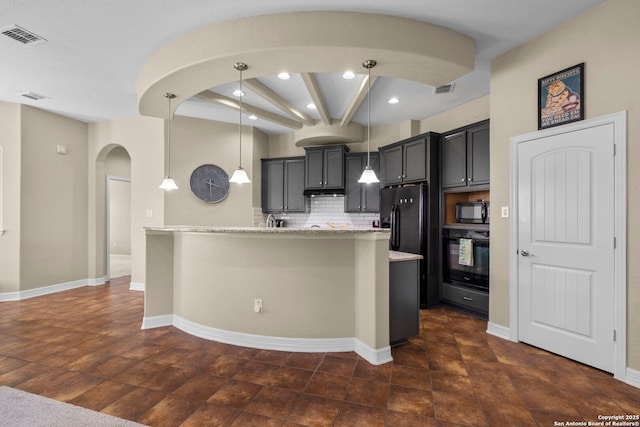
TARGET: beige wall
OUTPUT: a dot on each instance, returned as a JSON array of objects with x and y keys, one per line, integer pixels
[
  {"x": 53, "y": 231},
  {"x": 284, "y": 145},
  {"x": 118, "y": 164},
  {"x": 466, "y": 114},
  {"x": 143, "y": 139},
  {"x": 119, "y": 217},
  {"x": 606, "y": 40},
  {"x": 196, "y": 142},
  {"x": 10, "y": 155},
  {"x": 193, "y": 142}
]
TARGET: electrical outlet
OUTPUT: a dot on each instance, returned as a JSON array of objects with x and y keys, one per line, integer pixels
[
  {"x": 257, "y": 305},
  {"x": 505, "y": 212}
]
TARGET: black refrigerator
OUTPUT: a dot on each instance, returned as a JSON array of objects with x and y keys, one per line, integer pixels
[{"x": 411, "y": 212}]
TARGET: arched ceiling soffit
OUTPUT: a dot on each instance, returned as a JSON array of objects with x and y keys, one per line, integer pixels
[{"x": 304, "y": 42}]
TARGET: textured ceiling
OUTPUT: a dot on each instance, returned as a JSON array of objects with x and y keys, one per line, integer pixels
[{"x": 94, "y": 51}]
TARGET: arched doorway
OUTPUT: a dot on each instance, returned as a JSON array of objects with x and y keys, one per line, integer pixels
[{"x": 113, "y": 211}]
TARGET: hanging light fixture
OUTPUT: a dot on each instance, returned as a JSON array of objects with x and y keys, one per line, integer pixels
[
  {"x": 368, "y": 174},
  {"x": 239, "y": 175},
  {"x": 168, "y": 183}
]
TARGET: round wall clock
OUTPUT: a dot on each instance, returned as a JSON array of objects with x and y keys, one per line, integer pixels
[{"x": 209, "y": 183}]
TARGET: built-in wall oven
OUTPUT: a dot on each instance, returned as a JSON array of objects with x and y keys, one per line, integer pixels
[{"x": 466, "y": 258}]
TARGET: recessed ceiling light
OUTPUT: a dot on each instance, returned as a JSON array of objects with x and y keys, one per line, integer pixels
[
  {"x": 393, "y": 100},
  {"x": 284, "y": 76},
  {"x": 348, "y": 75},
  {"x": 253, "y": 117},
  {"x": 311, "y": 106},
  {"x": 238, "y": 92}
]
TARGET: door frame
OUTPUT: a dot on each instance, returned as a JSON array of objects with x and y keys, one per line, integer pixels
[
  {"x": 108, "y": 180},
  {"x": 619, "y": 121}
]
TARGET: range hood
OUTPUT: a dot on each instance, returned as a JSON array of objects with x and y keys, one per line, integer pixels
[{"x": 324, "y": 192}]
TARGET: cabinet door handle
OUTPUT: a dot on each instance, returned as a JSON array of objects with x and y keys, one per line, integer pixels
[
  {"x": 400, "y": 177},
  {"x": 462, "y": 180},
  {"x": 469, "y": 179},
  {"x": 466, "y": 298}
]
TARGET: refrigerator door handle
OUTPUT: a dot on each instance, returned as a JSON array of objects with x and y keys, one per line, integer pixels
[{"x": 395, "y": 228}]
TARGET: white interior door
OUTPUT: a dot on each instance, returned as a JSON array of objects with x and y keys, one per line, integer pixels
[{"x": 566, "y": 291}]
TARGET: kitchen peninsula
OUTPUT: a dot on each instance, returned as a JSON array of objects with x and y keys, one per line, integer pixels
[{"x": 321, "y": 289}]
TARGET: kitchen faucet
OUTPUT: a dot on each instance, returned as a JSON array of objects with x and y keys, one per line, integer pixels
[{"x": 271, "y": 221}]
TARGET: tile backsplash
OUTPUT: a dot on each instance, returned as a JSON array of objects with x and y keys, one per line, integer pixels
[{"x": 324, "y": 209}]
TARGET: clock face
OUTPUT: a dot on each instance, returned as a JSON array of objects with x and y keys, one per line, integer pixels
[{"x": 209, "y": 183}]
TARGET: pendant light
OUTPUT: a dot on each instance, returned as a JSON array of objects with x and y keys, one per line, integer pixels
[
  {"x": 168, "y": 183},
  {"x": 368, "y": 174},
  {"x": 239, "y": 175}
]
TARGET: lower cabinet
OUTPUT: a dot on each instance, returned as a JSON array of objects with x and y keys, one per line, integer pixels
[
  {"x": 474, "y": 300},
  {"x": 283, "y": 185},
  {"x": 404, "y": 300}
]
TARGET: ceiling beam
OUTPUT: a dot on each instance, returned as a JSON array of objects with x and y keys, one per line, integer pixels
[
  {"x": 314, "y": 91},
  {"x": 357, "y": 99},
  {"x": 209, "y": 96},
  {"x": 269, "y": 95}
]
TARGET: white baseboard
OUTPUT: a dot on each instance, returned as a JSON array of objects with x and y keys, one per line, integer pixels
[
  {"x": 371, "y": 355},
  {"x": 97, "y": 281},
  {"x": 157, "y": 321},
  {"x": 632, "y": 377},
  {"x": 264, "y": 342},
  {"x": 498, "y": 331},
  {"x": 308, "y": 345},
  {"x": 45, "y": 290},
  {"x": 136, "y": 286}
]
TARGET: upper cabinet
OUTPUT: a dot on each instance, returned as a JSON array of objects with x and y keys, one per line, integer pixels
[
  {"x": 325, "y": 167},
  {"x": 282, "y": 185},
  {"x": 361, "y": 197},
  {"x": 465, "y": 156},
  {"x": 411, "y": 160}
]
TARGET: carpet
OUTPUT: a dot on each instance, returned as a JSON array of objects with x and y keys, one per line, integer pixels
[{"x": 19, "y": 408}]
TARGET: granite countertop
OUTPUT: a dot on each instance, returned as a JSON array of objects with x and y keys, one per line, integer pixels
[
  {"x": 403, "y": 256},
  {"x": 283, "y": 230}
]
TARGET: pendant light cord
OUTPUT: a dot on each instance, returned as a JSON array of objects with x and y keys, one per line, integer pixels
[
  {"x": 240, "y": 122},
  {"x": 169, "y": 96},
  {"x": 369, "y": 120},
  {"x": 169, "y": 140}
]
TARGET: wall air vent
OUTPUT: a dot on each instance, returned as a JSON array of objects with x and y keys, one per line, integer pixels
[
  {"x": 32, "y": 95},
  {"x": 444, "y": 89},
  {"x": 21, "y": 35}
]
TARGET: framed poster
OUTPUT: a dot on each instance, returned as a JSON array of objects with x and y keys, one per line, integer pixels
[{"x": 561, "y": 97}]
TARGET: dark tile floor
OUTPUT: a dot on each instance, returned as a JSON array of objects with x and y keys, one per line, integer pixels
[{"x": 85, "y": 347}]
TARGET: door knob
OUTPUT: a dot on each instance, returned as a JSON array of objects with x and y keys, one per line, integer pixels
[{"x": 524, "y": 252}]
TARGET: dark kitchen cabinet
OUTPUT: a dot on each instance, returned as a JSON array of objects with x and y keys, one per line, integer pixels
[
  {"x": 465, "y": 156},
  {"x": 324, "y": 167},
  {"x": 361, "y": 197},
  {"x": 283, "y": 185},
  {"x": 404, "y": 300},
  {"x": 409, "y": 161},
  {"x": 468, "y": 298}
]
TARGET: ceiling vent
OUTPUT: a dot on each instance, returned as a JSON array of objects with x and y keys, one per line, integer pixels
[
  {"x": 32, "y": 95},
  {"x": 444, "y": 89},
  {"x": 21, "y": 35}
]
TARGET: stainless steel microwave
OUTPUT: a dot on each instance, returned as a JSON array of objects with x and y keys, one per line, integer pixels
[{"x": 472, "y": 212}]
